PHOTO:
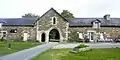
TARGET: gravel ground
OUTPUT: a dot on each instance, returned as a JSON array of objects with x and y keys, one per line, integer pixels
[{"x": 92, "y": 45}]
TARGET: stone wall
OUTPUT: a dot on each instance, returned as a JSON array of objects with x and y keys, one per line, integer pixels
[
  {"x": 20, "y": 31},
  {"x": 113, "y": 32}
]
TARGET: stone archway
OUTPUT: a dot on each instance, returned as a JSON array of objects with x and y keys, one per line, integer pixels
[
  {"x": 54, "y": 35},
  {"x": 43, "y": 37}
]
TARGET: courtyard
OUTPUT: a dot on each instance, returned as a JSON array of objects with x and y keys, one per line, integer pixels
[
  {"x": 59, "y": 51},
  {"x": 28, "y": 31}
]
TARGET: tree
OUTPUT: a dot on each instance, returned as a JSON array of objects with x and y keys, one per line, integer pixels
[
  {"x": 67, "y": 14},
  {"x": 30, "y": 15}
]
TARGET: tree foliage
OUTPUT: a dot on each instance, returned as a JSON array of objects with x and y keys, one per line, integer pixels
[
  {"x": 30, "y": 15},
  {"x": 67, "y": 14}
]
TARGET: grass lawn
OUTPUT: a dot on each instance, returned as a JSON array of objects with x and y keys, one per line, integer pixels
[
  {"x": 15, "y": 46},
  {"x": 94, "y": 54}
]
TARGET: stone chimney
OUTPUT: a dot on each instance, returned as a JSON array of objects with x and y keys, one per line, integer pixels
[{"x": 107, "y": 17}]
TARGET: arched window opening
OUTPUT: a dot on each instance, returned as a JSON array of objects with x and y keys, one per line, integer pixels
[
  {"x": 54, "y": 20},
  {"x": 43, "y": 37}
]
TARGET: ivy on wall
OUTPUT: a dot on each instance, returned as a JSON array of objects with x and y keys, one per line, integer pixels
[{"x": 73, "y": 36}]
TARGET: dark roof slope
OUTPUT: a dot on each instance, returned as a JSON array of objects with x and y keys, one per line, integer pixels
[
  {"x": 87, "y": 21},
  {"x": 18, "y": 21}
]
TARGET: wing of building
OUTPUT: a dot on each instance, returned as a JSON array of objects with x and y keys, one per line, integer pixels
[{"x": 51, "y": 26}]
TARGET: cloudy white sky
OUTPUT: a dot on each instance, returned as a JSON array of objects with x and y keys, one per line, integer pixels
[{"x": 80, "y": 8}]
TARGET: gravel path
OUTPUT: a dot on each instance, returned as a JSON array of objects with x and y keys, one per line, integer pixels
[{"x": 92, "y": 45}]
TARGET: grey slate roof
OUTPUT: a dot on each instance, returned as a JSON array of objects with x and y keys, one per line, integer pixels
[
  {"x": 87, "y": 21},
  {"x": 72, "y": 22},
  {"x": 18, "y": 21}
]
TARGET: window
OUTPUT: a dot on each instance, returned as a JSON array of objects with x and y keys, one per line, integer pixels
[
  {"x": 81, "y": 35},
  {"x": 67, "y": 26},
  {"x": 107, "y": 17},
  {"x": 13, "y": 31},
  {"x": 102, "y": 36},
  {"x": 3, "y": 34},
  {"x": 96, "y": 25},
  {"x": 91, "y": 35},
  {"x": 1, "y": 25},
  {"x": 54, "y": 20},
  {"x": 25, "y": 36}
]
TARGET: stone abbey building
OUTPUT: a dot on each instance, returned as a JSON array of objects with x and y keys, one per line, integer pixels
[{"x": 51, "y": 26}]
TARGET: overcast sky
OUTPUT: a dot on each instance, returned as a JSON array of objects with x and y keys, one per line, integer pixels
[{"x": 80, "y": 8}]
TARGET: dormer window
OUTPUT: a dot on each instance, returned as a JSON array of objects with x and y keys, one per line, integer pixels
[
  {"x": 107, "y": 17},
  {"x": 96, "y": 24},
  {"x": 1, "y": 25},
  {"x": 54, "y": 20}
]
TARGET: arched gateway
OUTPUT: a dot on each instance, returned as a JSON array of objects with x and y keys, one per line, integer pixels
[
  {"x": 54, "y": 27},
  {"x": 54, "y": 35}
]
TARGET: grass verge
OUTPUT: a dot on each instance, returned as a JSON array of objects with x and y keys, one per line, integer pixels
[
  {"x": 94, "y": 54},
  {"x": 15, "y": 46}
]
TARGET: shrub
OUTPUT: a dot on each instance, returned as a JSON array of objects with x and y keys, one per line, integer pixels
[
  {"x": 77, "y": 48},
  {"x": 81, "y": 46}
]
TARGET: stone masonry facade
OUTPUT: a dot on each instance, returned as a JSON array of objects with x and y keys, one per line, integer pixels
[
  {"x": 45, "y": 25},
  {"x": 53, "y": 20},
  {"x": 20, "y": 31}
]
